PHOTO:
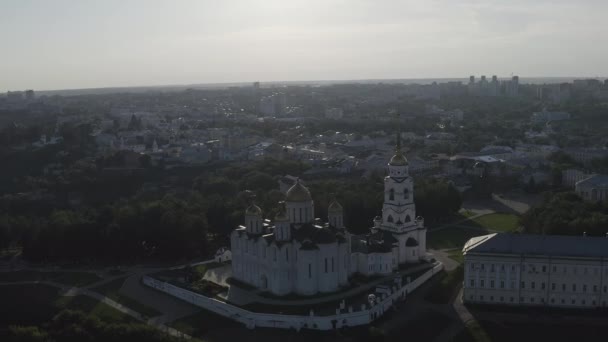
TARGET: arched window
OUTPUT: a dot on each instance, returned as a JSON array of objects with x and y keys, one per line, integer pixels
[
  {"x": 391, "y": 195},
  {"x": 407, "y": 218},
  {"x": 390, "y": 218},
  {"x": 406, "y": 193}
]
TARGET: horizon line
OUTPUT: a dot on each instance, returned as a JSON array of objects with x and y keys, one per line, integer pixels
[{"x": 233, "y": 83}]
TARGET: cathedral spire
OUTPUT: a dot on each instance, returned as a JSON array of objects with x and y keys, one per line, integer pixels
[
  {"x": 398, "y": 159},
  {"x": 398, "y": 147}
]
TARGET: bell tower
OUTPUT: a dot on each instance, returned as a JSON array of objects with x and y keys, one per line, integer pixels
[{"x": 398, "y": 210}]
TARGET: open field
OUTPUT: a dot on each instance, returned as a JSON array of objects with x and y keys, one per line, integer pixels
[
  {"x": 485, "y": 331},
  {"x": 112, "y": 290},
  {"x": 451, "y": 237},
  {"x": 446, "y": 288},
  {"x": 456, "y": 235},
  {"x": 67, "y": 278},
  {"x": 497, "y": 222},
  {"x": 200, "y": 323},
  {"x": 37, "y": 303}
]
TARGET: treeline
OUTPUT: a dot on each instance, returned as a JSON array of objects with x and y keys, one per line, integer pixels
[
  {"x": 436, "y": 199},
  {"x": 168, "y": 228},
  {"x": 75, "y": 326},
  {"x": 194, "y": 222},
  {"x": 185, "y": 223},
  {"x": 566, "y": 214}
]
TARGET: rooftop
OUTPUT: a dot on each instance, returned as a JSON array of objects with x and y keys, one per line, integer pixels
[
  {"x": 596, "y": 181},
  {"x": 541, "y": 245}
]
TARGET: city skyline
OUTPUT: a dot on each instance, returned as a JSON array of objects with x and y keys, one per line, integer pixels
[{"x": 63, "y": 45}]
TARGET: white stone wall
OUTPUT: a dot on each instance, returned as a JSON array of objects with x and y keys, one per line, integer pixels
[
  {"x": 344, "y": 317},
  {"x": 300, "y": 212},
  {"x": 307, "y": 272},
  {"x": 516, "y": 280}
]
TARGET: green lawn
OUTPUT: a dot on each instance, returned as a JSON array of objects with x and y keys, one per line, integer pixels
[
  {"x": 455, "y": 236},
  {"x": 525, "y": 330},
  {"x": 112, "y": 290},
  {"x": 37, "y": 303},
  {"x": 456, "y": 255},
  {"x": 443, "y": 290},
  {"x": 451, "y": 237},
  {"x": 498, "y": 222},
  {"x": 200, "y": 323},
  {"x": 68, "y": 278},
  {"x": 473, "y": 332}
]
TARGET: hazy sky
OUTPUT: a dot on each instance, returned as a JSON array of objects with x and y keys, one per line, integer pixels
[{"x": 95, "y": 43}]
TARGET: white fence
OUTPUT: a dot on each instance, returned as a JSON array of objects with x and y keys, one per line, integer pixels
[{"x": 342, "y": 318}]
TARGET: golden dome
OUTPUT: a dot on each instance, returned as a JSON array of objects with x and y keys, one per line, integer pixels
[
  {"x": 253, "y": 210},
  {"x": 298, "y": 193},
  {"x": 334, "y": 206},
  {"x": 398, "y": 159}
]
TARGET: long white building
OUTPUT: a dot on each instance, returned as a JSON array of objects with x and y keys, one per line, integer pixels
[
  {"x": 297, "y": 253},
  {"x": 533, "y": 270}
]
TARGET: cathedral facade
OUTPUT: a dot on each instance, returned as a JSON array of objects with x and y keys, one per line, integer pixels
[{"x": 296, "y": 253}]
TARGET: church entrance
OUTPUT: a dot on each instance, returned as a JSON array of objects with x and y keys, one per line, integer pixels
[{"x": 263, "y": 282}]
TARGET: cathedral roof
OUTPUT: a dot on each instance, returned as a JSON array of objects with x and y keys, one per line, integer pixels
[
  {"x": 298, "y": 193},
  {"x": 316, "y": 234},
  {"x": 253, "y": 210},
  {"x": 379, "y": 242},
  {"x": 334, "y": 207}
]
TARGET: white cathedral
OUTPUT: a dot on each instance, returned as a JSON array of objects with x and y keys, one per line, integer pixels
[{"x": 295, "y": 253}]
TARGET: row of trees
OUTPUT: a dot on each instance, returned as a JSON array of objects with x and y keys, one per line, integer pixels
[
  {"x": 194, "y": 222},
  {"x": 566, "y": 214},
  {"x": 168, "y": 228},
  {"x": 75, "y": 326}
]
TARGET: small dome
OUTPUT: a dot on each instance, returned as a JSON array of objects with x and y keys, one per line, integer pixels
[
  {"x": 298, "y": 193},
  {"x": 334, "y": 207},
  {"x": 398, "y": 160},
  {"x": 253, "y": 210}
]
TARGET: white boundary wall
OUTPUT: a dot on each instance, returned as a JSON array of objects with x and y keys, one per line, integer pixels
[{"x": 255, "y": 319}]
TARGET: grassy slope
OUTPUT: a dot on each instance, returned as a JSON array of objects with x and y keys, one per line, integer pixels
[
  {"x": 112, "y": 290},
  {"x": 37, "y": 303},
  {"x": 68, "y": 278}
]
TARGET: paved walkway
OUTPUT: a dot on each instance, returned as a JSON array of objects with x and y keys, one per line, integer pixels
[
  {"x": 442, "y": 256},
  {"x": 171, "y": 307}
]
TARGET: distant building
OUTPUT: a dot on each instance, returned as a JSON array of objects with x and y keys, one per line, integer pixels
[
  {"x": 536, "y": 270},
  {"x": 273, "y": 105},
  {"x": 334, "y": 113},
  {"x": 546, "y": 116},
  {"x": 572, "y": 176},
  {"x": 14, "y": 96},
  {"x": 493, "y": 87},
  {"x": 594, "y": 188},
  {"x": 585, "y": 155}
]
